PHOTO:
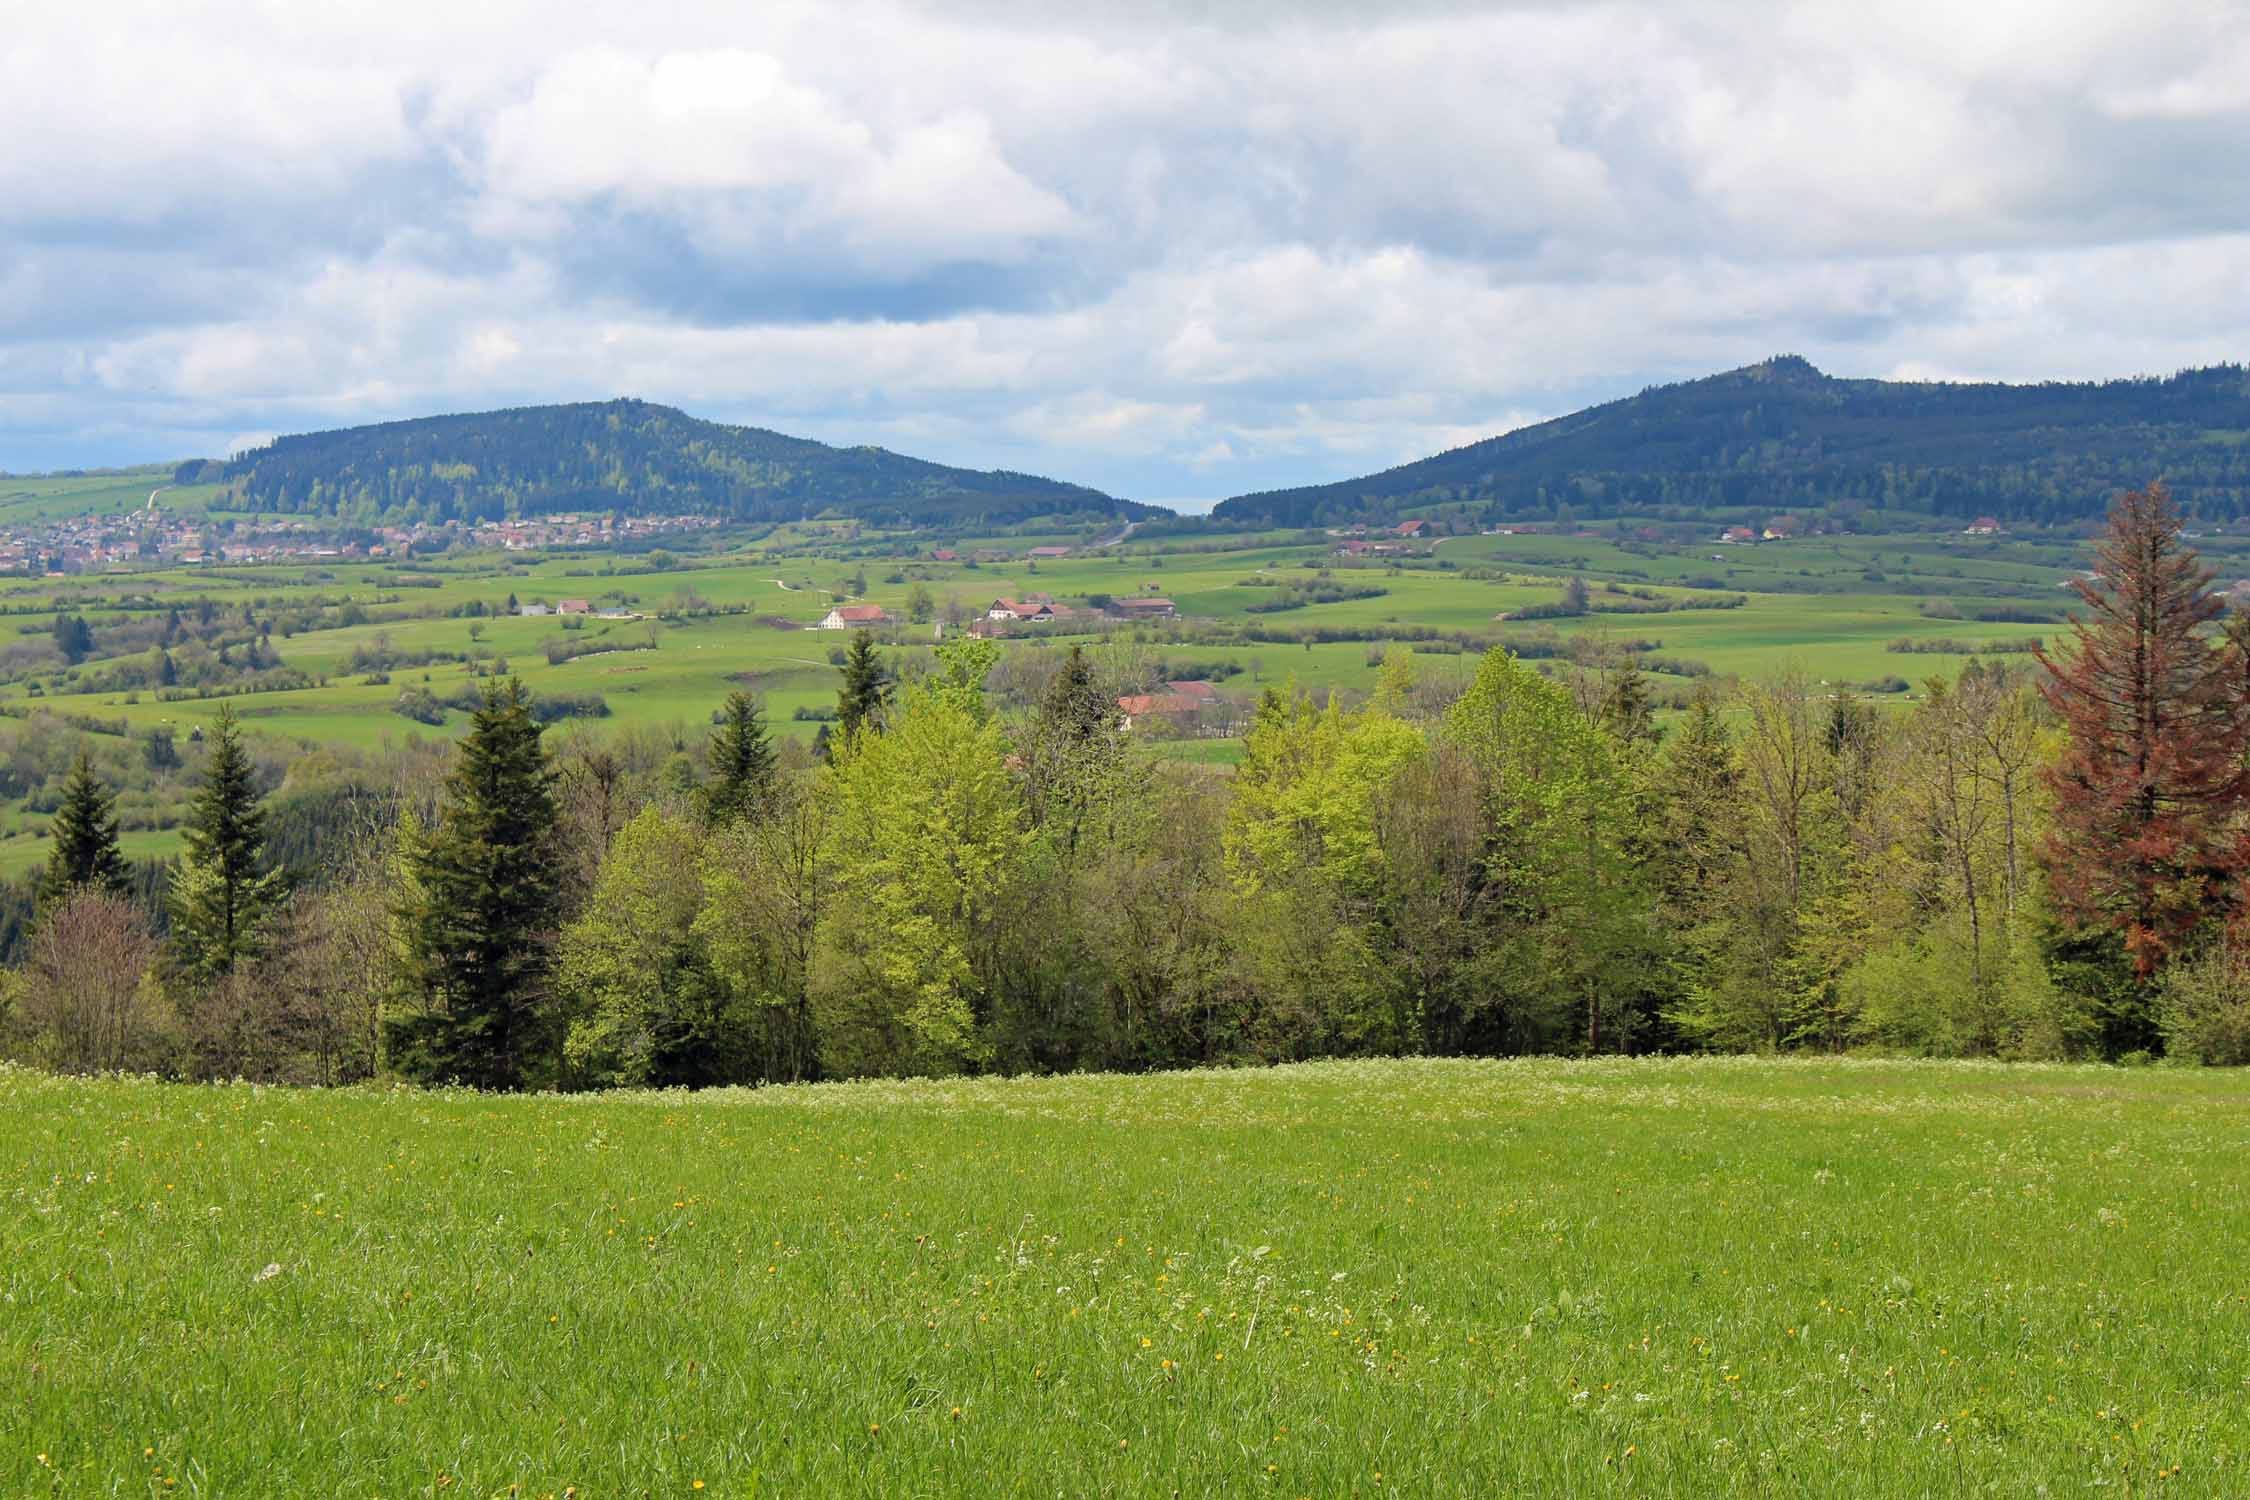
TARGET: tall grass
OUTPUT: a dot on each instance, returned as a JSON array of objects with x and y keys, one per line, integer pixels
[{"x": 1416, "y": 1278}]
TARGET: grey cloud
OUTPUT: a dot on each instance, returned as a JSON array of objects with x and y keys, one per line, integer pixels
[{"x": 1171, "y": 249}]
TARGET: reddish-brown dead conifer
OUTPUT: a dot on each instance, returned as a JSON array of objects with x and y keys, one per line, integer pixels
[{"x": 2150, "y": 790}]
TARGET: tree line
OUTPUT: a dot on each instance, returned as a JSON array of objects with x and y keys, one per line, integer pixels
[{"x": 2032, "y": 861}]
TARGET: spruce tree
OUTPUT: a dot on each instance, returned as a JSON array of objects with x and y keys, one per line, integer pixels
[
  {"x": 85, "y": 852},
  {"x": 479, "y": 928},
  {"x": 742, "y": 763},
  {"x": 2152, "y": 783},
  {"x": 866, "y": 690},
  {"x": 1074, "y": 754},
  {"x": 220, "y": 898},
  {"x": 74, "y": 638}
]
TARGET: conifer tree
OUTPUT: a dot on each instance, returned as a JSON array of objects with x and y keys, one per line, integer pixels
[
  {"x": 2151, "y": 785},
  {"x": 742, "y": 763},
  {"x": 866, "y": 690},
  {"x": 480, "y": 926},
  {"x": 220, "y": 898},
  {"x": 74, "y": 638},
  {"x": 85, "y": 851},
  {"x": 1074, "y": 752}
]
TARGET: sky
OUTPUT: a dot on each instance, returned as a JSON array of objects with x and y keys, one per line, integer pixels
[{"x": 1173, "y": 250}]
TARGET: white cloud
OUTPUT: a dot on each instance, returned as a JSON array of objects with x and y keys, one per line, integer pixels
[{"x": 1165, "y": 248}]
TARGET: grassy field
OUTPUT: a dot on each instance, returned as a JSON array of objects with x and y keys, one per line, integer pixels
[
  {"x": 1830, "y": 606},
  {"x": 1838, "y": 637},
  {"x": 1705, "y": 1277},
  {"x": 26, "y": 500}
]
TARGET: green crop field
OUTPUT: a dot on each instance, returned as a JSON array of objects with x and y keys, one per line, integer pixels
[{"x": 1679, "y": 1277}]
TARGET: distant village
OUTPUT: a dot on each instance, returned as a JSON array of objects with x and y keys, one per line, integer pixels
[{"x": 158, "y": 538}]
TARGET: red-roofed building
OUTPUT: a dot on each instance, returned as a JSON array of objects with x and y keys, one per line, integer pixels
[
  {"x": 1165, "y": 705},
  {"x": 1984, "y": 526},
  {"x": 853, "y": 617}
]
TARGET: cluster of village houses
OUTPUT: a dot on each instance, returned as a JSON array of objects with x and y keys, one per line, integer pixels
[
  {"x": 525, "y": 533},
  {"x": 156, "y": 537}
]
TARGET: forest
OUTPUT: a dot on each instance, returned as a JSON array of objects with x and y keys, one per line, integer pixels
[
  {"x": 1782, "y": 436},
  {"x": 2039, "y": 859},
  {"x": 627, "y": 456}
]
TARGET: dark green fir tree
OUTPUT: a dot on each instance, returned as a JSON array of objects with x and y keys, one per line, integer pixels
[
  {"x": 221, "y": 898},
  {"x": 866, "y": 690},
  {"x": 479, "y": 926},
  {"x": 742, "y": 764},
  {"x": 85, "y": 851}
]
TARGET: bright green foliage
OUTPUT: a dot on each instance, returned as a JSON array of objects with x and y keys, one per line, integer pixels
[
  {"x": 1074, "y": 754},
  {"x": 924, "y": 827},
  {"x": 648, "y": 1007},
  {"x": 220, "y": 898},
  {"x": 1394, "y": 682},
  {"x": 1305, "y": 795},
  {"x": 742, "y": 764},
  {"x": 480, "y": 928},
  {"x": 1304, "y": 858},
  {"x": 85, "y": 851},
  {"x": 866, "y": 690},
  {"x": 1773, "y": 850},
  {"x": 963, "y": 663},
  {"x": 764, "y": 888},
  {"x": 1563, "y": 814}
]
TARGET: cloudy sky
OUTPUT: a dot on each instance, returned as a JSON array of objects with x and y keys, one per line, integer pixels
[{"x": 1174, "y": 250}]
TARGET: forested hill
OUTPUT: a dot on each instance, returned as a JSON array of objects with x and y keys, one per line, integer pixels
[
  {"x": 1782, "y": 436},
  {"x": 628, "y": 456}
]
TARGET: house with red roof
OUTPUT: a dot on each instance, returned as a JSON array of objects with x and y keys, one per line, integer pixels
[
  {"x": 853, "y": 617},
  {"x": 1136, "y": 706}
]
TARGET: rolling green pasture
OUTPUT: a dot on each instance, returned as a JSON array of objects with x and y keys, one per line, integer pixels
[
  {"x": 1427, "y": 1278},
  {"x": 110, "y": 492},
  {"x": 783, "y": 581}
]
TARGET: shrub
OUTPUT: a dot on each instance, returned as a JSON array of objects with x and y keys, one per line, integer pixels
[{"x": 420, "y": 705}]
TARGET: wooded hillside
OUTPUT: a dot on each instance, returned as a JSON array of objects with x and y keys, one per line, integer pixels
[
  {"x": 628, "y": 456},
  {"x": 1783, "y": 436}
]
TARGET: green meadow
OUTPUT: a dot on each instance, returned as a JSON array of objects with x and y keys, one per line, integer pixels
[
  {"x": 1659, "y": 1277},
  {"x": 1837, "y": 636},
  {"x": 44, "y": 497}
]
